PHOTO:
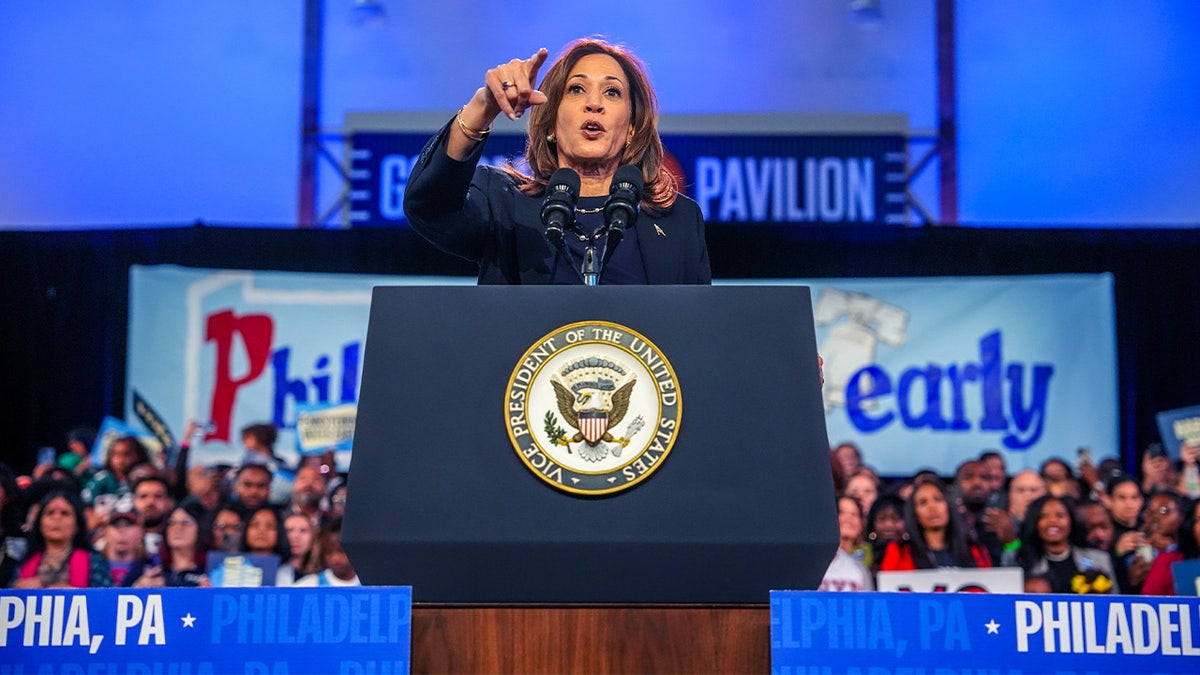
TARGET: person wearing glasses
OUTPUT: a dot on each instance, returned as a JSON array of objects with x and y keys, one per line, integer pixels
[
  {"x": 1164, "y": 513},
  {"x": 183, "y": 563},
  {"x": 227, "y": 529}
]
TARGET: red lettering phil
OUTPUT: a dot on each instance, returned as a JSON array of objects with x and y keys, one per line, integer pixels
[{"x": 256, "y": 331}]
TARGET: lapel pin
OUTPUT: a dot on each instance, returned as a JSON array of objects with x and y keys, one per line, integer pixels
[{"x": 659, "y": 230}]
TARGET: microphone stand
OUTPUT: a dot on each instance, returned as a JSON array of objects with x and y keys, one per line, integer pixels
[
  {"x": 590, "y": 270},
  {"x": 565, "y": 252},
  {"x": 612, "y": 237}
]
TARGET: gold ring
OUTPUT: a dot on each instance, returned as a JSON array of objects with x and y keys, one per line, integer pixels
[{"x": 506, "y": 84}]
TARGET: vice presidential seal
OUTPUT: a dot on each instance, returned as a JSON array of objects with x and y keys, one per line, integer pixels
[{"x": 592, "y": 408}]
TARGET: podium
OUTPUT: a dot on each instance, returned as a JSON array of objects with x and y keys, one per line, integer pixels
[{"x": 471, "y": 484}]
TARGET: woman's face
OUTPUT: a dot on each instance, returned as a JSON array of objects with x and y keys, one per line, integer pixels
[
  {"x": 58, "y": 522},
  {"x": 850, "y": 522},
  {"x": 334, "y": 557},
  {"x": 182, "y": 530},
  {"x": 299, "y": 531},
  {"x": 121, "y": 457},
  {"x": 594, "y": 116},
  {"x": 1025, "y": 487},
  {"x": 1126, "y": 502},
  {"x": 931, "y": 508},
  {"x": 1162, "y": 515},
  {"x": 863, "y": 489},
  {"x": 262, "y": 532},
  {"x": 123, "y": 536},
  {"x": 889, "y": 525},
  {"x": 227, "y": 529},
  {"x": 1054, "y": 523}
]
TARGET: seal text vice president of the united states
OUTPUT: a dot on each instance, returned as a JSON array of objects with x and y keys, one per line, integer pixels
[{"x": 594, "y": 112}]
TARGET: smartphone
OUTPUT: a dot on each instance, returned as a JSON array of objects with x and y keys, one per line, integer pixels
[
  {"x": 1085, "y": 456},
  {"x": 996, "y": 500},
  {"x": 153, "y": 543},
  {"x": 1145, "y": 552},
  {"x": 16, "y": 547}
]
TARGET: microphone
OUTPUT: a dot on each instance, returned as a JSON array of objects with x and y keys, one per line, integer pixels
[
  {"x": 558, "y": 209},
  {"x": 621, "y": 209}
]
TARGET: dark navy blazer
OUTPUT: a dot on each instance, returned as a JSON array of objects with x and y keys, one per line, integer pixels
[{"x": 478, "y": 213}]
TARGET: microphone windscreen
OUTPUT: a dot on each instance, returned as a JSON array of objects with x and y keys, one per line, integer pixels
[
  {"x": 631, "y": 175},
  {"x": 565, "y": 177}
]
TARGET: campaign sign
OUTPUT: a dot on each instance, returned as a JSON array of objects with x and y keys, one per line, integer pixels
[
  {"x": 112, "y": 429},
  {"x": 241, "y": 570},
  {"x": 1177, "y": 427},
  {"x": 1186, "y": 574},
  {"x": 232, "y": 348},
  {"x": 322, "y": 426},
  {"x": 928, "y": 372},
  {"x": 814, "y": 633},
  {"x": 190, "y": 631},
  {"x": 957, "y": 580}
]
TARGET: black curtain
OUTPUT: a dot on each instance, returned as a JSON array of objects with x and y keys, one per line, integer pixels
[{"x": 64, "y": 297}]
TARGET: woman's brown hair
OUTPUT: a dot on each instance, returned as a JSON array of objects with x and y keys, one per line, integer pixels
[{"x": 645, "y": 148}]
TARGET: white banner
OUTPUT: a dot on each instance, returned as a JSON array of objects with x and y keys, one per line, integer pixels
[
  {"x": 925, "y": 373},
  {"x": 919, "y": 372},
  {"x": 234, "y": 348},
  {"x": 954, "y": 580}
]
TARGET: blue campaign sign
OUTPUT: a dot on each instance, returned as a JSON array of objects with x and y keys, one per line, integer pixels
[
  {"x": 814, "y": 633},
  {"x": 354, "y": 631},
  {"x": 1178, "y": 427}
]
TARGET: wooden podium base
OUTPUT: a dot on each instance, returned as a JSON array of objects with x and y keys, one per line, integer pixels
[{"x": 591, "y": 638}]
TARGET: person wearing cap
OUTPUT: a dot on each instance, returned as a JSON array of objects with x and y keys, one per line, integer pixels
[{"x": 124, "y": 550}]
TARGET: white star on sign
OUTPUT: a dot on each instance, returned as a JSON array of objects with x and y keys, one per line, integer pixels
[
  {"x": 189, "y": 621},
  {"x": 993, "y": 627}
]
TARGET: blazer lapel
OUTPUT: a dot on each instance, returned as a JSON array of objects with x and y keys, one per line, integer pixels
[{"x": 654, "y": 239}]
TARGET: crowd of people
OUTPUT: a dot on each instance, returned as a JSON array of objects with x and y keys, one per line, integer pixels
[
  {"x": 1088, "y": 528},
  {"x": 134, "y": 523}
]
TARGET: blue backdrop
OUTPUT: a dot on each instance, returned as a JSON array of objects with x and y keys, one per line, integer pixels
[{"x": 1073, "y": 112}]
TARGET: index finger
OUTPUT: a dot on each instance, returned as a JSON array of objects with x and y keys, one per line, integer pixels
[{"x": 535, "y": 62}]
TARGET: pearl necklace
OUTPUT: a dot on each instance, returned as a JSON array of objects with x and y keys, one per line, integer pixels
[{"x": 587, "y": 212}]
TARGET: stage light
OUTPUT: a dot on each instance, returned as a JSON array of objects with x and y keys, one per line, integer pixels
[
  {"x": 368, "y": 13},
  {"x": 865, "y": 12}
]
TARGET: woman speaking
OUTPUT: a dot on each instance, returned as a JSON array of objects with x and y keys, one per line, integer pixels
[{"x": 565, "y": 221}]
